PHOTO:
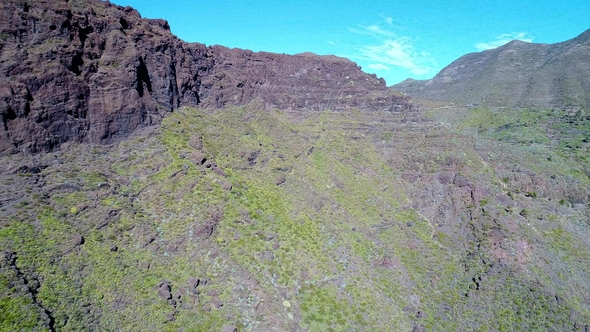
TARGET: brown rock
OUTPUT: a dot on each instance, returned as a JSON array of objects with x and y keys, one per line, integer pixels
[
  {"x": 97, "y": 72},
  {"x": 193, "y": 283},
  {"x": 216, "y": 303},
  {"x": 198, "y": 157},
  {"x": 219, "y": 171},
  {"x": 196, "y": 142},
  {"x": 259, "y": 308},
  {"x": 171, "y": 316},
  {"x": 280, "y": 180},
  {"x": 386, "y": 263},
  {"x": 226, "y": 185},
  {"x": 73, "y": 73},
  {"x": 77, "y": 239},
  {"x": 206, "y": 229},
  {"x": 164, "y": 290}
]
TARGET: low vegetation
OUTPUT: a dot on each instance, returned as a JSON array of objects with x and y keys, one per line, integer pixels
[{"x": 341, "y": 221}]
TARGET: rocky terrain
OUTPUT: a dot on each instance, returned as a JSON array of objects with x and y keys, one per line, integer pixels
[
  {"x": 518, "y": 74},
  {"x": 90, "y": 71},
  {"x": 148, "y": 184}
]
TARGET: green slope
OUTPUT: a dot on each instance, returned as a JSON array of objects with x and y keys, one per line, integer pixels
[{"x": 343, "y": 221}]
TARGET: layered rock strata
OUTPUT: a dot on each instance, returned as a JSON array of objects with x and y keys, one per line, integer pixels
[{"x": 93, "y": 71}]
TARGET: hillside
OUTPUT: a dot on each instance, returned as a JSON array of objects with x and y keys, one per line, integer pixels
[
  {"x": 201, "y": 188},
  {"x": 518, "y": 74},
  {"x": 342, "y": 221}
]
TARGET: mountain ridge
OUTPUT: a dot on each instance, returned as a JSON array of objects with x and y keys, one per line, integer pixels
[
  {"x": 516, "y": 74},
  {"x": 93, "y": 71}
]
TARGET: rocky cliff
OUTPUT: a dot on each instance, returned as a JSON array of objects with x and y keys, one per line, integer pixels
[
  {"x": 301, "y": 82},
  {"x": 516, "y": 74},
  {"x": 93, "y": 71}
]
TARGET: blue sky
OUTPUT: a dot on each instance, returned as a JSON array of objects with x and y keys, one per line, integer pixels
[{"x": 393, "y": 39}]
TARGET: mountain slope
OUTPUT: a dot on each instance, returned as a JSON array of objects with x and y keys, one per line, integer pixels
[
  {"x": 273, "y": 193},
  {"x": 516, "y": 74},
  {"x": 245, "y": 219}
]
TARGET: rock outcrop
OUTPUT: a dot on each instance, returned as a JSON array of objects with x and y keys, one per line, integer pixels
[
  {"x": 88, "y": 70},
  {"x": 299, "y": 82},
  {"x": 517, "y": 74}
]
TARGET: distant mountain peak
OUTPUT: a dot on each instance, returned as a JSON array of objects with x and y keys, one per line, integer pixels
[
  {"x": 516, "y": 43},
  {"x": 518, "y": 73}
]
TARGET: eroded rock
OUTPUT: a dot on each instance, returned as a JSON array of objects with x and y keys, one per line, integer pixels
[
  {"x": 164, "y": 290},
  {"x": 198, "y": 158},
  {"x": 96, "y": 73}
]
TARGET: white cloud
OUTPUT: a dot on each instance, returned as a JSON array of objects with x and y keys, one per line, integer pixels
[
  {"x": 391, "y": 50},
  {"x": 398, "y": 52},
  {"x": 378, "y": 66},
  {"x": 503, "y": 39},
  {"x": 371, "y": 30}
]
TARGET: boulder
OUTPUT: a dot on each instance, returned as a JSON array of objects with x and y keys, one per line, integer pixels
[
  {"x": 198, "y": 158},
  {"x": 164, "y": 290}
]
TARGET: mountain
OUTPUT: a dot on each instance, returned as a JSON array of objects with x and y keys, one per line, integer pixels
[
  {"x": 148, "y": 184},
  {"x": 516, "y": 74},
  {"x": 90, "y": 71}
]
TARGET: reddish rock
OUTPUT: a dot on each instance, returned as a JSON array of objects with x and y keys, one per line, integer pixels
[
  {"x": 198, "y": 157},
  {"x": 193, "y": 283},
  {"x": 226, "y": 185},
  {"x": 77, "y": 239},
  {"x": 219, "y": 171},
  {"x": 86, "y": 73},
  {"x": 461, "y": 181},
  {"x": 294, "y": 82},
  {"x": 205, "y": 229},
  {"x": 164, "y": 290},
  {"x": 387, "y": 263},
  {"x": 171, "y": 316},
  {"x": 95, "y": 73},
  {"x": 280, "y": 180}
]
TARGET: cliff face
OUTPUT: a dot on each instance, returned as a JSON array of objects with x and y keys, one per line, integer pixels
[
  {"x": 300, "y": 82},
  {"x": 516, "y": 74},
  {"x": 76, "y": 71},
  {"x": 93, "y": 71}
]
